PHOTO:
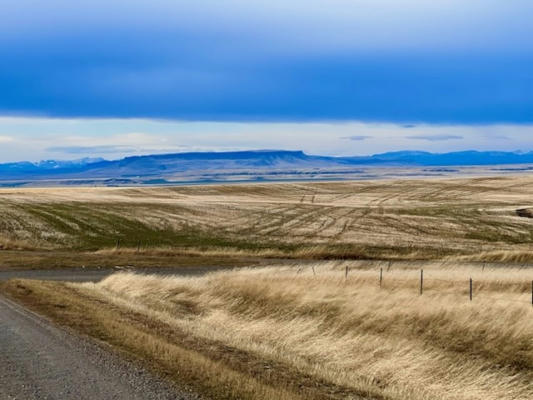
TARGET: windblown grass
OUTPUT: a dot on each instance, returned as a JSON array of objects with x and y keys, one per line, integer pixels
[
  {"x": 349, "y": 334},
  {"x": 499, "y": 256}
]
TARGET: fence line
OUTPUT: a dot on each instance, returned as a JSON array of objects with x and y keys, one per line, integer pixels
[{"x": 423, "y": 280}]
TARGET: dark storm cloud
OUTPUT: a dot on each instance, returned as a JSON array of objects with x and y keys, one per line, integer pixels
[{"x": 247, "y": 61}]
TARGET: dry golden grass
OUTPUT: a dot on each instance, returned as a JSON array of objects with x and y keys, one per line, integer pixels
[
  {"x": 498, "y": 256},
  {"x": 144, "y": 340},
  {"x": 7, "y": 243},
  {"x": 300, "y": 331},
  {"x": 401, "y": 219},
  {"x": 347, "y": 335}
]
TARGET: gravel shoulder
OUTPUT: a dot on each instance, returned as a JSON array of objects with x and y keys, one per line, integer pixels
[{"x": 41, "y": 361}]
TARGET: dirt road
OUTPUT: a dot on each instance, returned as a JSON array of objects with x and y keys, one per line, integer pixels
[{"x": 39, "y": 361}]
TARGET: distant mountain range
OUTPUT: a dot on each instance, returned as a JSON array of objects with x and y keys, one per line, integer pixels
[{"x": 165, "y": 165}]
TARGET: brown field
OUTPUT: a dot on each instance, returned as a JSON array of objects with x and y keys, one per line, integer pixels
[
  {"x": 311, "y": 333},
  {"x": 298, "y": 328},
  {"x": 470, "y": 219}
]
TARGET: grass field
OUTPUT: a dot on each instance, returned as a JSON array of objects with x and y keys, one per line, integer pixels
[
  {"x": 310, "y": 332},
  {"x": 472, "y": 219},
  {"x": 311, "y": 320}
]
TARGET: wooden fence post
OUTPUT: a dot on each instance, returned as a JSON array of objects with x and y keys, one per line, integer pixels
[
  {"x": 470, "y": 289},
  {"x": 421, "y": 282},
  {"x": 346, "y": 273},
  {"x": 380, "y": 277}
]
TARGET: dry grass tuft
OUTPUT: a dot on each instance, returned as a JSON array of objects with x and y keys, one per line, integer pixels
[
  {"x": 7, "y": 243},
  {"x": 348, "y": 334}
]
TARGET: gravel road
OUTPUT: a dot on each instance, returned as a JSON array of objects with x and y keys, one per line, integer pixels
[
  {"x": 96, "y": 274},
  {"x": 39, "y": 361}
]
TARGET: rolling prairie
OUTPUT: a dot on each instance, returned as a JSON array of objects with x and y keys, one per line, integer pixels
[
  {"x": 473, "y": 219},
  {"x": 312, "y": 319}
]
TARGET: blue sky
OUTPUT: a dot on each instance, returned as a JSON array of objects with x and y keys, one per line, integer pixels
[{"x": 330, "y": 76}]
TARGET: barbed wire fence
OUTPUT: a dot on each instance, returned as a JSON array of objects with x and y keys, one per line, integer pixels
[{"x": 469, "y": 284}]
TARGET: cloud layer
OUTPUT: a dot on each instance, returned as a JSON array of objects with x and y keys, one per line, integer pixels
[
  {"x": 446, "y": 61},
  {"x": 435, "y": 138}
]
